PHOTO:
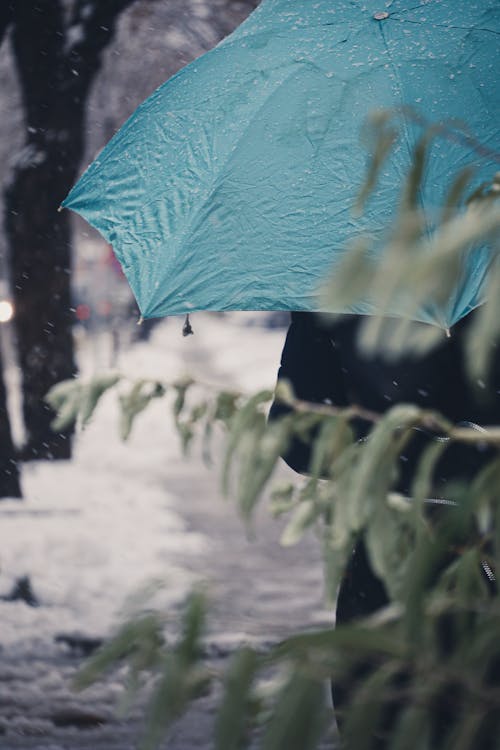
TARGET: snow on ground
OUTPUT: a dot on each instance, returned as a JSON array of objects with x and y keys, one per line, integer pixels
[{"x": 92, "y": 531}]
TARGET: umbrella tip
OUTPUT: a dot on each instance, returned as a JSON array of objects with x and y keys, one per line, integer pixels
[
  {"x": 60, "y": 209},
  {"x": 140, "y": 321},
  {"x": 448, "y": 333},
  {"x": 187, "y": 329}
]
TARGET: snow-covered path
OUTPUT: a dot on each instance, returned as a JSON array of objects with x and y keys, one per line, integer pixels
[{"x": 92, "y": 532}]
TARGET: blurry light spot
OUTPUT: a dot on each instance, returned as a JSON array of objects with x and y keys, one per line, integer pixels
[{"x": 6, "y": 311}]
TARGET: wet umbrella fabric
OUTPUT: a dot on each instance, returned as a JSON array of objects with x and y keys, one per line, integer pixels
[{"x": 231, "y": 187}]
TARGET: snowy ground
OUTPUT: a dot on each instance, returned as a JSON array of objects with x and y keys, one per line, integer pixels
[{"x": 93, "y": 532}]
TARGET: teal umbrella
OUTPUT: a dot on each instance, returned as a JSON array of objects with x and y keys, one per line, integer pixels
[{"x": 231, "y": 187}]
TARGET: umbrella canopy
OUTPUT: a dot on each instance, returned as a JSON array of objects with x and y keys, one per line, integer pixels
[{"x": 231, "y": 187}]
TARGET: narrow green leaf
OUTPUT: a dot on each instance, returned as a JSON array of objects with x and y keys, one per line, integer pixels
[
  {"x": 167, "y": 703},
  {"x": 384, "y": 136},
  {"x": 181, "y": 388},
  {"x": 298, "y": 718},
  {"x": 335, "y": 558},
  {"x": 93, "y": 391},
  {"x": 484, "y": 333},
  {"x": 59, "y": 393},
  {"x": 357, "y": 638},
  {"x": 232, "y": 717},
  {"x": 182, "y": 677},
  {"x": 226, "y": 406},
  {"x": 364, "y": 712},
  {"x": 193, "y": 623},
  {"x": 243, "y": 420},
  {"x": 422, "y": 485},
  {"x": 303, "y": 518},
  {"x": 415, "y": 177},
  {"x": 390, "y": 538},
  {"x": 378, "y": 460},
  {"x": 135, "y": 401},
  {"x": 67, "y": 414},
  {"x": 282, "y": 498},
  {"x": 456, "y": 192},
  {"x": 260, "y": 451},
  {"x": 144, "y": 633},
  {"x": 334, "y": 435},
  {"x": 65, "y": 399},
  {"x": 413, "y": 726}
]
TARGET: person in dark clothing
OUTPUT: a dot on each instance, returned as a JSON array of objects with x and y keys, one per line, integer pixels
[{"x": 323, "y": 364}]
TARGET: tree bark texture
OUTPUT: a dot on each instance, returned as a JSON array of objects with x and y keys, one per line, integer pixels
[
  {"x": 57, "y": 55},
  {"x": 10, "y": 485}
]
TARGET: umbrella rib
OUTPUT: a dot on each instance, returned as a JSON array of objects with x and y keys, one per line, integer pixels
[
  {"x": 406, "y": 136},
  {"x": 461, "y": 28},
  {"x": 408, "y": 10},
  {"x": 216, "y": 181},
  {"x": 190, "y": 221}
]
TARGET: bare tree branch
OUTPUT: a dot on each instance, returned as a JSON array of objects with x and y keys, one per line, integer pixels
[{"x": 91, "y": 29}]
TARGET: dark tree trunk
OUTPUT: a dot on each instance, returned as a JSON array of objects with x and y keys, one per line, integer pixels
[
  {"x": 55, "y": 75},
  {"x": 40, "y": 268},
  {"x": 10, "y": 485},
  {"x": 57, "y": 49},
  {"x": 9, "y": 474}
]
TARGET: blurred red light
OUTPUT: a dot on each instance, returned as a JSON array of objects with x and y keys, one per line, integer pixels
[{"x": 82, "y": 312}]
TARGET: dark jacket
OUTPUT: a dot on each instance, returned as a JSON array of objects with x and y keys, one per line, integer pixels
[{"x": 323, "y": 364}]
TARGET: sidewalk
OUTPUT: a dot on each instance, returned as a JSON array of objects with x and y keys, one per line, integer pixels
[{"x": 260, "y": 592}]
